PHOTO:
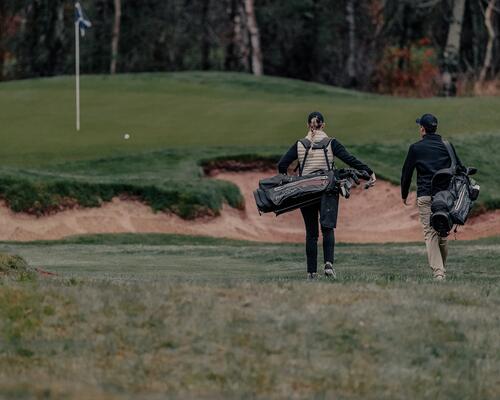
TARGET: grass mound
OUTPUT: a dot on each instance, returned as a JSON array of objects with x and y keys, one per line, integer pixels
[
  {"x": 174, "y": 180},
  {"x": 190, "y": 200},
  {"x": 14, "y": 266},
  {"x": 46, "y": 167},
  {"x": 208, "y": 109},
  {"x": 168, "y": 180}
]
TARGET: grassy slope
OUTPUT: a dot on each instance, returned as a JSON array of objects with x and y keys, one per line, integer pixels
[
  {"x": 194, "y": 317},
  {"x": 151, "y": 314},
  {"x": 237, "y": 113},
  {"x": 206, "y": 109},
  {"x": 172, "y": 179}
]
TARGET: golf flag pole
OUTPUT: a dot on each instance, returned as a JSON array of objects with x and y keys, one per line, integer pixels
[
  {"x": 77, "y": 73},
  {"x": 81, "y": 24}
]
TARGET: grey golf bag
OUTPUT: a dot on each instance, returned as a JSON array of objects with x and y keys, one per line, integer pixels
[
  {"x": 283, "y": 193},
  {"x": 453, "y": 195}
]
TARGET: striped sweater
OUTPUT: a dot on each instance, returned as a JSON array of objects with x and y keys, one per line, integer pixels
[
  {"x": 336, "y": 150},
  {"x": 316, "y": 157}
]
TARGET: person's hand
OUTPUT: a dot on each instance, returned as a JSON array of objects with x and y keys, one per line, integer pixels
[
  {"x": 405, "y": 202},
  {"x": 371, "y": 182}
]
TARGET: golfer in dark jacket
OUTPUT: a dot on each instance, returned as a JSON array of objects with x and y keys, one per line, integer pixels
[
  {"x": 315, "y": 160},
  {"x": 427, "y": 156}
]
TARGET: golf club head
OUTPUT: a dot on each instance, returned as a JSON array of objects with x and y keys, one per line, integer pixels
[
  {"x": 354, "y": 177},
  {"x": 363, "y": 175},
  {"x": 471, "y": 171}
]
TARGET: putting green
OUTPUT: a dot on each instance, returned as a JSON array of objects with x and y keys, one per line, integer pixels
[{"x": 207, "y": 109}]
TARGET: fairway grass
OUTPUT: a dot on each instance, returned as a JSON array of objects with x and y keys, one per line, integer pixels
[{"x": 154, "y": 316}]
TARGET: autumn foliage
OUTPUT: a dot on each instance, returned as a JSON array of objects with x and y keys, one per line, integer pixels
[{"x": 410, "y": 71}]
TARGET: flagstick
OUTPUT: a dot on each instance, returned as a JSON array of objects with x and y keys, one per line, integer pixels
[{"x": 77, "y": 74}]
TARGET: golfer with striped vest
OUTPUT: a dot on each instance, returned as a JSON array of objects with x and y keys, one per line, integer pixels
[{"x": 317, "y": 152}]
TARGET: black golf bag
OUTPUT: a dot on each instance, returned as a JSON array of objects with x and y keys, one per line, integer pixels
[
  {"x": 453, "y": 195},
  {"x": 283, "y": 193}
]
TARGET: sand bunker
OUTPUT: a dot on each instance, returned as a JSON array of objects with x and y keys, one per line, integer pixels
[{"x": 369, "y": 216}]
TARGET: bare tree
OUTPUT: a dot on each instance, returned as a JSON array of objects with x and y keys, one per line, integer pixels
[
  {"x": 488, "y": 21},
  {"x": 238, "y": 45},
  {"x": 205, "y": 41},
  {"x": 230, "y": 57},
  {"x": 59, "y": 26},
  {"x": 3, "y": 28},
  {"x": 9, "y": 10},
  {"x": 241, "y": 36},
  {"x": 451, "y": 54},
  {"x": 253, "y": 30},
  {"x": 115, "y": 37},
  {"x": 351, "y": 59}
]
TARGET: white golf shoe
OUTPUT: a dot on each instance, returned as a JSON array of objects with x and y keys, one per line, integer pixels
[{"x": 330, "y": 271}]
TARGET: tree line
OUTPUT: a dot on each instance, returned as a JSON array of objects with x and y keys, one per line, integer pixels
[{"x": 403, "y": 47}]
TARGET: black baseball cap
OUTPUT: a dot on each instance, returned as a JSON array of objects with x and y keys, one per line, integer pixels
[
  {"x": 429, "y": 122},
  {"x": 315, "y": 114}
]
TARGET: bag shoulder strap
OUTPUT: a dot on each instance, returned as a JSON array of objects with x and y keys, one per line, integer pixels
[
  {"x": 323, "y": 144},
  {"x": 452, "y": 155},
  {"x": 326, "y": 144},
  {"x": 307, "y": 145}
]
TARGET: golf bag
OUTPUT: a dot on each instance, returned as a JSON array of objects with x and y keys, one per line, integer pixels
[
  {"x": 453, "y": 195},
  {"x": 283, "y": 193}
]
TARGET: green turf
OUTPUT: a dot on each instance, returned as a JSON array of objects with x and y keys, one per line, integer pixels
[
  {"x": 156, "y": 316},
  {"x": 173, "y": 179},
  {"x": 208, "y": 109},
  {"x": 186, "y": 257},
  {"x": 164, "y": 257},
  {"x": 178, "y": 120}
]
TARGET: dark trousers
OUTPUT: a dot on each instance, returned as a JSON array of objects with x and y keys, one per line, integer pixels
[{"x": 311, "y": 221}]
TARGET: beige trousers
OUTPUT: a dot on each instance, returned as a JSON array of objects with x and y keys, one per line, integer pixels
[{"x": 437, "y": 246}]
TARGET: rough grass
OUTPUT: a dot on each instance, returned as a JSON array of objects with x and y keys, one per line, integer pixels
[
  {"x": 155, "y": 316},
  {"x": 14, "y": 267},
  {"x": 169, "y": 180},
  {"x": 190, "y": 199}
]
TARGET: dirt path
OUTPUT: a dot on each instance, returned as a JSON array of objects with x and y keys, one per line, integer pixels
[{"x": 369, "y": 216}]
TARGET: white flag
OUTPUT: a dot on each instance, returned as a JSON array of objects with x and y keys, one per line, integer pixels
[{"x": 80, "y": 18}]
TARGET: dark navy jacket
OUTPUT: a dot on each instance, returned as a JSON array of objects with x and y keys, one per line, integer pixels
[{"x": 427, "y": 156}]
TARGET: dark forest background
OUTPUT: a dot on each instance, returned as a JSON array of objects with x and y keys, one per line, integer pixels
[{"x": 401, "y": 47}]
